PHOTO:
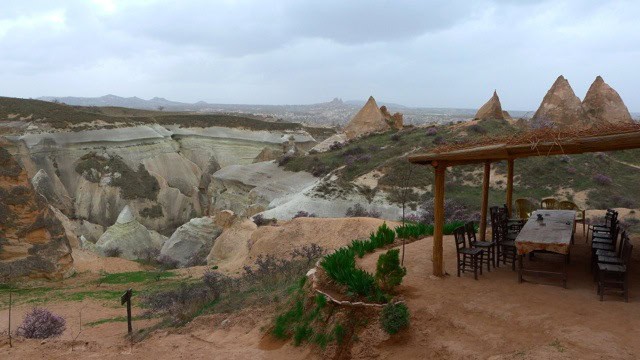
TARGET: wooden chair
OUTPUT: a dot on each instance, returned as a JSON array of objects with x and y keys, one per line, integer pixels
[
  {"x": 614, "y": 257},
  {"x": 580, "y": 215},
  {"x": 604, "y": 242},
  {"x": 524, "y": 208},
  {"x": 549, "y": 204},
  {"x": 610, "y": 217},
  {"x": 504, "y": 243},
  {"x": 487, "y": 246},
  {"x": 467, "y": 256},
  {"x": 615, "y": 276}
]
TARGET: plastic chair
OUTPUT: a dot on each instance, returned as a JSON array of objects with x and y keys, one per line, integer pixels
[
  {"x": 549, "y": 204},
  {"x": 580, "y": 214},
  {"x": 524, "y": 208}
]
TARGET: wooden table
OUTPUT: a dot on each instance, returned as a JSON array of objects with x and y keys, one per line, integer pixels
[{"x": 554, "y": 234}]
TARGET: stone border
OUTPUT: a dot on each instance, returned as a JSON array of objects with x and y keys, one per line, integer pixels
[{"x": 311, "y": 275}]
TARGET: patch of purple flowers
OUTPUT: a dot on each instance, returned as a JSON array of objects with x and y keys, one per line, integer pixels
[
  {"x": 603, "y": 180},
  {"x": 41, "y": 323}
]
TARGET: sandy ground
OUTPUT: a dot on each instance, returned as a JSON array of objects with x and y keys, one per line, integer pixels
[{"x": 451, "y": 318}]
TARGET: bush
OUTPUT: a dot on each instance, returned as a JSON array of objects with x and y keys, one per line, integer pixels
[
  {"x": 41, "y": 324},
  {"x": 414, "y": 230},
  {"x": 432, "y": 131},
  {"x": 284, "y": 159},
  {"x": 336, "y": 146},
  {"x": 152, "y": 212},
  {"x": 439, "y": 140},
  {"x": 389, "y": 273},
  {"x": 602, "y": 180},
  {"x": 167, "y": 262},
  {"x": 359, "y": 211},
  {"x": 113, "y": 252},
  {"x": 217, "y": 283},
  {"x": 477, "y": 129},
  {"x": 302, "y": 213},
  {"x": 383, "y": 236},
  {"x": 394, "y": 318},
  {"x": 260, "y": 220},
  {"x": 148, "y": 255}
]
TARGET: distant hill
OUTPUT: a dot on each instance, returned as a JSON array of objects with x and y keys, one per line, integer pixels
[{"x": 334, "y": 112}]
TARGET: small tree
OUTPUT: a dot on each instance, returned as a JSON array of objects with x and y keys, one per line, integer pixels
[
  {"x": 389, "y": 272},
  {"x": 394, "y": 318}
]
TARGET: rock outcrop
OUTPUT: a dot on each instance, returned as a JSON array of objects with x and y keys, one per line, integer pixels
[
  {"x": 33, "y": 242},
  {"x": 191, "y": 243},
  {"x": 267, "y": 154},
  {"x": 371, "y": 119},
  {"x": 561, "y": 107},
  {"x": 603, "y": 104},
  {"x": 54, "y": 192},
  {"x": 492, "y": 109},
  {"x": 128, "y": 236}
]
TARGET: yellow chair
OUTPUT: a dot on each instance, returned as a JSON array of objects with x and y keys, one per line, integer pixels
[
  {"x": 549, "y": 204},
  {"x": 580, "y": 214},
  {"x": 524, "y": 208}
]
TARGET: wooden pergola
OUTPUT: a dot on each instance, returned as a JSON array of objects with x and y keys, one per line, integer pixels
[{"x": 487, "y": 154}]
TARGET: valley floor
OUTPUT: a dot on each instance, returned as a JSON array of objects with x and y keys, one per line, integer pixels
[{"x": 451, "y": 318}]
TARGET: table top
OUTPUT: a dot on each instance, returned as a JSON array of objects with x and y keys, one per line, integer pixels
[{"x": 553, "y": 233}]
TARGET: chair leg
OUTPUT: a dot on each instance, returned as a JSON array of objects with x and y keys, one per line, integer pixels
[
  {"x": 475, "y": 267},
  {"x": 488, "y": 260},
  {"x": 458, "y": 265},
  {"x": 625, "y": 284}
]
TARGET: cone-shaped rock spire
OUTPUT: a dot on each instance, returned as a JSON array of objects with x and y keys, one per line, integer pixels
[
  {"x": 603, "y": 104},
  {"x": 492, "y": 109},
  {"x": 561, "y": 107}
]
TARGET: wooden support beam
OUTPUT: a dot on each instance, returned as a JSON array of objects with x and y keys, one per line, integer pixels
[
  {"x": 485, "y": 200},
  {"x": 509, "y": 186},
  {"x": 438, "y": 222}
]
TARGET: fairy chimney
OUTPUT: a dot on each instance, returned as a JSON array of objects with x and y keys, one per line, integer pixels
[
  {"x": 603, "y": 104},
  {"x": 492, "y": 109},
  {"x": 561, "y": 107},
  {"x": 368, "y": 120}
]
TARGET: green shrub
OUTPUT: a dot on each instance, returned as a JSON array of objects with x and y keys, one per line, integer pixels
[
  {"x": 383, "y": 236},
  {"x": 448, "y": 228},
  {"x": 389, "y": 273},
  {"x": 339, "y": 332},
  {"x": 339, "y": 264},
  {"x": 360, "y": 282},
  {"x": 361, "y": 247},
  {"x": 301, "y": 333},
  {"x": 394, "y": 318},
  {"x": 414, "y": 231}
]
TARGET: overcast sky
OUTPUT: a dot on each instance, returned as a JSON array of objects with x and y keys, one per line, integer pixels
[{"x": 450, "y": 53}]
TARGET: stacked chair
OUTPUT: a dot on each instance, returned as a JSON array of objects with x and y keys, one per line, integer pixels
[
  {"x": 524, "y": 208},
  {"x": 610, "y": 257},
  {"x": 504, "y": 233}
]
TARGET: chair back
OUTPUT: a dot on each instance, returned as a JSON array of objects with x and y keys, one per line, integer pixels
[
  {"x": 524, "y": 208},
  {"x": 624, "y": 238},
  {"x": 549, "y": 204},
  {"x": 568, "y": 205},
  {"x": 459, "y": 236},
  {"x": 470, "y": 229}
]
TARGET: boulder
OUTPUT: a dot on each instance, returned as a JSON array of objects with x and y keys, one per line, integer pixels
[
  {"x": 492, "y": 109},
  {"x": 326, "y": 144},
  {"x": 224, "y": 219},
  {"x": 192, "y": 242},
  {"x": 368, "y": 120},
  {"x": 33, "y": 241},
  {"x": 561, "y": 107},
  {"x": 128, "y": 235},
  {"x": 603, "y": 104}
]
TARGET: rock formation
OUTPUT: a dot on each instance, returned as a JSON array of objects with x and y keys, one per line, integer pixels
[
  {"x": 33, "y": 242},
  {"x": 267, "y": 154},
  {"x": 54, "y": 192},
  {"x": 561, "y": 107},
  {"x": 128, "y": 236},
  {"x": 191, "y": 243},
  {"x": 492, "y": 109},
  {"x": 372, "y": 119},
  {"x": 603, "y": 104}
]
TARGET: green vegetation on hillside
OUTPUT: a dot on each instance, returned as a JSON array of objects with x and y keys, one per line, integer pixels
[
  {"x": 603, "y": 179},
  {"x": 62, "y": 116}
]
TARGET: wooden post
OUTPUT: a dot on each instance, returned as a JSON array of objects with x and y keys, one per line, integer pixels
[
  {"x": 509, "y": 186},
  {"x": 485, "y": 200},
  {"x": 126, "y": 297},
  {"x": 438, "y": 221}
]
